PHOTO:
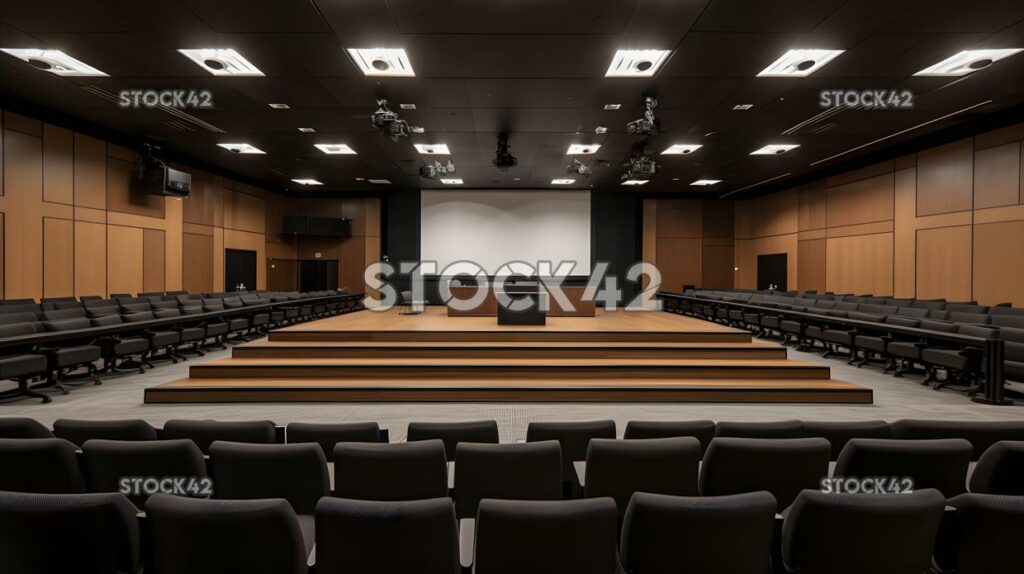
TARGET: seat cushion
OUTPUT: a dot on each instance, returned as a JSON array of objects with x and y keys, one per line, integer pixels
[
  {"x": 165, "y": 338},
  {"x": 214, "y": 329},
  {"x": 870, "y": 343},
  {"x": 239, "y": 324},
  {"x": 904, "y": 349},
  {"x": 260, "y": 319},
  {"x": 22, "y": 366},
  {"x": 948, "y": 358},
  {"x": 837, "y": 336},
  {"x": 791, "y": 326},
  {"x": 813, "y": 332},
  {"x": 1014, "y": 370},
  {"x": 131, "y": 346},
  {"x": 189, "y": 334},
  {"x": 68, "y": 356},
  {"x": 770, "y": 321}
]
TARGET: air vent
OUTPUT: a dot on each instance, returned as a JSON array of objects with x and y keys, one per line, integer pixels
[{"x": 180, "y": 115}]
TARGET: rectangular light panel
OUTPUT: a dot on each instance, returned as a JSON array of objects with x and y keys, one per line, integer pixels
[
  {"x": 561, "y": 181},
  {"x": 681, "y": 149},
  {"x": 703, "y": 182},
  {"x": 222, "y": 62},
  {"x": 335, "y": 149},
  {"x": 636, "y": 63},
  {"x": 53, "y": 61},
  {"x": 635, "y": 182},
  {"x": 242, "y": 148},
  {"x": 774, "y": 149},
  {"x": 382, "y": 61},
  {"x": 432, "y": 149},
  {"x": 799, "y": 63},
  {"x": 583, "y": 149},
  {"x": 307, "y": 181},
  {"x": 451, "y": 181},
  {"x": 966, "y": 62}
]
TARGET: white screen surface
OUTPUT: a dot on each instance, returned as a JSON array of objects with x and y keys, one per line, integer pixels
[{"x": 492, "y": 228}]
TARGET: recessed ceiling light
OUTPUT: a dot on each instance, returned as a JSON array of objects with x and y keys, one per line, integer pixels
[
  {"x": 742, "y": 107},
  {"x": 681, "y": 149},
  {"x": 635, "y": 182},
  {"x": 612, "y": 106},
  {"x": 636, "y": 63},
  {"x": 241, "y": 148},
  {"x": 335, "y": 149},
  {"x": 222, "y": 62},
  {"x": 583, "y": 149},
  {"x": 432, "y": 149},
  {"x": 379, "y": 181},
  {"x": 417, "y": 129},
  {"x": 799, "y": 63},
  {"x": 563, "y": 181},
  {"x": 451, "y": 181},
  {"x": 280, "y": 106},
  {"x": 675, "y": 179},
  {"x": 966, "y": 62},
  {"x": 407, "y": 106},
  {"x": 307, "y": 181},
  {"x": 360, "y": 179},
  {"x": 517, "y": 179},
  {"x": 601, "y": 129},
  {"x": 382, "y": 61},
  {"x": 307, "y": 130},
  {"x": 774, "y": 149},
  {"x": 706, "y": 182},
  {"x": 54, "y": 61}
]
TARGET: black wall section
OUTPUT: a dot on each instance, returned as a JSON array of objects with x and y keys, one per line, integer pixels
[{"x": 615, "y": 235}]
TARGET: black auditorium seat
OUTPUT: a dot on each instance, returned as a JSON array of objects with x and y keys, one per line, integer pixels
[
  {"x": 68, "y": 356},
  {"x": 937, "y": 463},
  {"x": 329, "y": 434},
  {"x": 78, "y": 431},
  {"x": 546, "y": 537},
  {"x": 838, "y": 433},
  {"x": 390, "y": 471},
  {"x": 1000, "y": 470},
  {"x": 106, "y": 463},
  {"x": 452, "y": 433},
  {"x": 981, "y": 434},
  {"x": 771, "y": 429},
  {"x": 162, "y": 340},
  {"x": 205, "y": 432},
  {"x": 23, "y": 427},
  {"x": 702, "y": 430},
  {"x": 861, "y": 533},
  {"x": 978, "y": 537},
  {"x": 374, "y": 537},
  {"x": 662, "y": 534},
  {"x": 58, "y": 534},
  {"x": 619, "y": 468},
  {"x": 251, "y": 536},
  {"x": 22, "y": 368},
  {"x": 782, "y": 467},
  {"x": 46, "y": 465},
  {"x": 574, "y": 437}
]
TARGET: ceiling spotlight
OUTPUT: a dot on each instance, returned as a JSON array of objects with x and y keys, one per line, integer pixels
[
  {"x": 451, "y": 181},
  {"x": 967, "y": 61},
  {"x": 437, "y": 169},
  {"x": 387, "y": 122},
  {"x": 335, "y": 149},
  {"x": 222, "y": 62},
  {"x": 307, "y": 130},
  {"x": 577, "y": 167},
  {"x": 432, "y": 149},
  {"x": 799, "y": 63},
  {"x": 242, "y": 148},
  {"x": 417, "y": 129},
  {"x": 382, "y": 61},
  {"x": 609, "y": 107},
  {"x": 742, "y": 107},
  {"x": 774, "y": 149},
  {"x": 636, "y": 63},
  {"x": 601, "y": 130},
  {"x": 380, "y": 181},
  {"x": 703, "y": 182},
  {"x": 583, "y": 149},
  {"x": 53, "y": 61},
  {"x": 681, "y": 149},
  {"x": 280, "y": 106},
  {"x": 407, "y": 106},
  {"x": 635, "y": 181},
  {"x": 307, "y": 181},
  {"x": 563, "y": 181}
]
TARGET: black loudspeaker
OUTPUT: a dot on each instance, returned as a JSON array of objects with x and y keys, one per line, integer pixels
[{"x": 318, "y": 226}]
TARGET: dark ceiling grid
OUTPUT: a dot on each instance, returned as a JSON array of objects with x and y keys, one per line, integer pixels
[{"x": 535, "y": 69}]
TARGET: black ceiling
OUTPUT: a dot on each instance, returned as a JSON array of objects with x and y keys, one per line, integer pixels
[{"x": 534, "y": 68}]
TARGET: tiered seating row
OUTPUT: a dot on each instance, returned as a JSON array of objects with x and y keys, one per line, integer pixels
[{"x": 57, "y": 343}]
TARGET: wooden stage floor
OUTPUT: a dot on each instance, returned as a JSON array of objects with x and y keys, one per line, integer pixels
[{"x": 620, "y": 356}]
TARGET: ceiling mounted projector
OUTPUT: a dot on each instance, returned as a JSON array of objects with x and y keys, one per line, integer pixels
[
  {"x": 436, "y": 170},
  {"x": 388, "y": 123},
  {"x": 641, "y": 167},
  {"x": 647, "y": 125},
  {"x": 577, "y": 167},
  {"x": 503, "y": 159}
]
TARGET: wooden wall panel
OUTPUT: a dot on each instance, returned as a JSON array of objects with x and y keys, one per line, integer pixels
[
  {"x": 23, "y": 198},
  {"x": 197, "y": 257},
  {"x": 90, "y": 258},
  {"x": 944, "y": 263},
  {"x": 172, "y": 240},
  {"x": 679, "y": 219},
  {"x": 124, "y": 259},
  {"x": 58, "y": 166},
  {"x": 234, "y": 239},
  {"x": 244, "y": 212},
  {"x": 777, "y": 214},
  {"x": 154, "y": 252},
  {"x": 905, "y": 234},
  {"x": 717, "y": 220},
  {"x": 996, "y": 278},
  {"x": 716, "y": 266},
  {"x": 864, "y": 201},
  {"x": 679, "y": 259},
  {"x": 90, "y": 172},
  {"x": 811, "y": 265},
  {"x": 813, "y": 206},
  {"x": 746, "y": 213},
  {"x": 58, "y": 257},
  {"x": 997, "y": 176},
  {"x": 945, "y": 178},
  {"x": 859, "y": 264},
  {"x": 1, "y": 242},
  {"x": 745, "y": 261},
  {"x": 201, "y": 206}
]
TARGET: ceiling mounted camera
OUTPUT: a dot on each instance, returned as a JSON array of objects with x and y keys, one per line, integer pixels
[
  {"x": 503, "y": 159},
  {"x": 640, "y": 166},
  {"x": 578, "y": 167},
  {"x": 437, "y": 169},
  {"x": 388, "y": 122},
  {"x": 647, "y": 125}
]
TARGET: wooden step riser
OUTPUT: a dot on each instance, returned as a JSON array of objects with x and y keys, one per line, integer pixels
[
  {"x": 491, "y": 336},
  {"x": 265, "y": 352},
  {"x": 411, "y": 372},
  {"x": 376, "y": 395}
]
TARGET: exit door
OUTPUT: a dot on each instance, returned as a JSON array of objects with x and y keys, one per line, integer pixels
[
  {"x": 239, "y": 270},
  {"x": 771, "y": 271}
]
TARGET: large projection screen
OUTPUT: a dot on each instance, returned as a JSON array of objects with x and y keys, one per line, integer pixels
[{"x": 492, "y": 228}]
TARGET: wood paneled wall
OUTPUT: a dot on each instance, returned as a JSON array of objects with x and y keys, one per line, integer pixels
[
  {"x": 690, "y": 241},
  {"x": 945, "y": 222},
  {"x": 73, "y": 222}
]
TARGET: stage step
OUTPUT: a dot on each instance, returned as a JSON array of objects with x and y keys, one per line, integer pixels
[
  {"x": 511, "y": 335},
  {"x": 499, "y": 350},
  {"x": 506, "y": 390},
  {"x": 632, "y": 369}
]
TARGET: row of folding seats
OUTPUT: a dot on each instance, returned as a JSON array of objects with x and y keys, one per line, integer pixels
[
  {"x": 771, "y": 474},
  {"x": 73, "y": 359},
  {"x": 899, "y": 353}
]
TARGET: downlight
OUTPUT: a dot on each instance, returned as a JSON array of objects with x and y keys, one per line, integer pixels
[
  {"x": 967, "y": 61},
  {"x": 53, "y": 61},
  {"x": 636, "y": 63},
  {"x": 799, "y": 63},
  {"x": 222, "y": 61},
  {"x": 382, "y": 61}
]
